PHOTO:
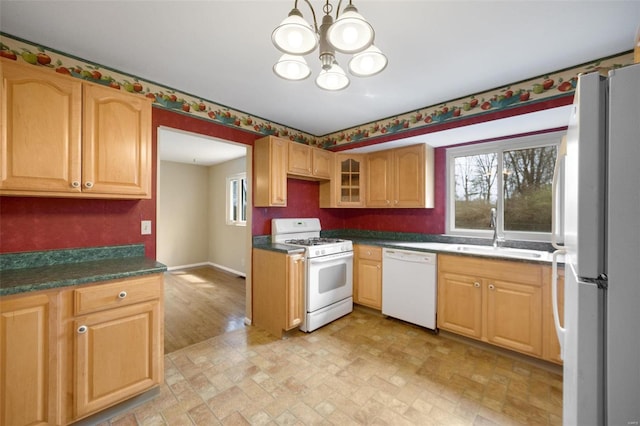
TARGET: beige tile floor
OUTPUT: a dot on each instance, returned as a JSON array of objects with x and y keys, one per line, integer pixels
[{"x": 362, "y": 369}]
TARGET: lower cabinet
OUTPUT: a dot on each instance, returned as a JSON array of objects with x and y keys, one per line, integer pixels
[
  {"x": 117, "y": 339},
  {"x": 27, "y": 360},
  {"x": 278, "y": 292},
  {"x": 367, "y": 283},
  {"x": 72, "y": 352},
  {"x": 497, "y": 301}
]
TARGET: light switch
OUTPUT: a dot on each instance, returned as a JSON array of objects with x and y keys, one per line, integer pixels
[{"x": 145, "y": 227}]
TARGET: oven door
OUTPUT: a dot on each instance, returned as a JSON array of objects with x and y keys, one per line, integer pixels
[{"x": 329, "y": 280}]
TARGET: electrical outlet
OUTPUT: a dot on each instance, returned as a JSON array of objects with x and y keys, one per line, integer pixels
[{"x": 145, "y": 227}]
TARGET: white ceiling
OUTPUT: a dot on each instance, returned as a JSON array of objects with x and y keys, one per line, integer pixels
[
  {"x": 184, "y": 147},
  {"x": 221, "y": 50}
]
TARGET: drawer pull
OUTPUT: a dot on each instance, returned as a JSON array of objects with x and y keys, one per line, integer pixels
[
  {"x": 82, "y": 329},
  {"x": 122, "y": 295},
  {"x": 476, "y": 284},
  {"x": 491, "y": 286}
]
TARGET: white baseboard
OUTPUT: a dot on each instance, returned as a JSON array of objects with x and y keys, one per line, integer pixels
[{"x": 215, "y": 265}]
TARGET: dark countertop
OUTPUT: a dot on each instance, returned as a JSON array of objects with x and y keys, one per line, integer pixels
[
  {"x": 433, "y": 244},
  {"x": 32, "y": 271}
]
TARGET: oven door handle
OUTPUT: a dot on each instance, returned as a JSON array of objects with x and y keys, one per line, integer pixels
[{"x": 331, "y": 257}]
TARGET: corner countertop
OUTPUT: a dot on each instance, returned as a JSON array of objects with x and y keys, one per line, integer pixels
[
  {"x": 33, "y": 271},
  {"x": 519, "y": 251}
]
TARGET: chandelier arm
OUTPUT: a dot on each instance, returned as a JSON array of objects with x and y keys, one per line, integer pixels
[
  {"x": 313, "y": 12},
  {"x": 338, "y": 7}
]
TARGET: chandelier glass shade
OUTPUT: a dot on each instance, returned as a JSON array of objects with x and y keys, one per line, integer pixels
[{"x": 349, "y": 34}]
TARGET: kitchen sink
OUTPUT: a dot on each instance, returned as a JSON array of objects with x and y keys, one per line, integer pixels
[
  {"x": 498, "y": 251},
  {"x": 505, "y": 252}
]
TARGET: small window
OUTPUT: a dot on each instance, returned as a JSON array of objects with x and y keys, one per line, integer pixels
[
  {"x": 513, "y": 176},
  {"x": 237, "y": 200}
]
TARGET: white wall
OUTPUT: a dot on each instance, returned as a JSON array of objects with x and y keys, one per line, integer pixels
[
  {"x": 183, "y": 214},
  {"x": 227, "y": 243},
  {"x": 191, "y": 228}
]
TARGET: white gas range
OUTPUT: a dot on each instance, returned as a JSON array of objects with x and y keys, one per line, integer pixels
[{"x": 328, "y": 271}]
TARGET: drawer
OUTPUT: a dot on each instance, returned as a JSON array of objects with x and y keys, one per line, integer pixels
[
  {"x": 113, "y": 294},
  {"x": 504, "y": 270},
  {"x": 369, "y": 252}
]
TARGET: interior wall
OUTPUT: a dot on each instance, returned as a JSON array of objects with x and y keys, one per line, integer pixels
[
  {"x": 227, "y": 243},
  {"x": 183, "y": 214}
]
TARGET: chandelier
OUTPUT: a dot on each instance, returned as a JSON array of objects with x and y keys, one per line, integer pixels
[{"x": 350, "y": 33}]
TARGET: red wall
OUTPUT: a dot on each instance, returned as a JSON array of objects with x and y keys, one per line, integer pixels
[
  {"x": 303, "y": 196},
  {"x": 35, "y": 223},
  {"x": 30, "y": 224}
]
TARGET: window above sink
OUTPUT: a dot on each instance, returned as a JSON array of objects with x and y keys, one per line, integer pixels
[{"x": 521, "y": 192}]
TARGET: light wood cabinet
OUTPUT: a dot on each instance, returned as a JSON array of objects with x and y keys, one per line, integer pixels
[
  {"x": 368, "y": 276},
  {"x": 460, "y": 303},
  {"x": 550, "y": 343},
  {"x": 309, "y": 162},
  {"x": 28, "y": 359},
  {"x": 278, "y": 292},
  {"x": 118, "y": 341},
  {"x": 400, "y": 177},
  {"x": 346, "y": 188},
  {"x": 72, "y": 352},
  {"x": 63, "y": 137},
  {"x": 270, "y": 177},
  {"x": 497, "y": 301}
]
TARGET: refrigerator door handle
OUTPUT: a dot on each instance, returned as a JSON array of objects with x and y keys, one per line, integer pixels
[
  {"x": 562, "y": 152},
  {"x": 560, "y": 331}
]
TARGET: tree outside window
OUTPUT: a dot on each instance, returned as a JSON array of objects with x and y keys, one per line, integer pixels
[{"x": 521, "y": 192}]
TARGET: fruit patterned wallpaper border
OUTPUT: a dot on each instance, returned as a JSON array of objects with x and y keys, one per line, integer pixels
[{"x": 553, "y": 85}]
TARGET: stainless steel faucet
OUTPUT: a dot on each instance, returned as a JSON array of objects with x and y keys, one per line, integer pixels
[{"x": 493, "y": 223}]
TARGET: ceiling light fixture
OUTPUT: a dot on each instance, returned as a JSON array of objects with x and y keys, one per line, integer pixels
[{"x": 350, "y": 33}]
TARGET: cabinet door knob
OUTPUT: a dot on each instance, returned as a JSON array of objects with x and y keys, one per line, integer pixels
[
  {"x": 75, "y": 184},
  {"x": 122, "y": 295},
  {"x": 491, "y": 286},
  {"x": 476, "y": 284},
  {"x": 88, "y": 184},
  {"x": 82, "y": 329}
]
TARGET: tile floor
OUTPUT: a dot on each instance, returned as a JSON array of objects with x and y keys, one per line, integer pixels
[{"x": 362, "y": 369}]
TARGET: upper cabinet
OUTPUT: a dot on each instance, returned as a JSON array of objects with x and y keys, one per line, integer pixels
[
  {"x": 400, "y": 177},
  {"x": 346, "y": 189},
  {"x": 63, "y": 137},
  {"x": 275, "y": 158},
  {"x": 270, "y": 172},
  {"x": 308, "y": 162}
]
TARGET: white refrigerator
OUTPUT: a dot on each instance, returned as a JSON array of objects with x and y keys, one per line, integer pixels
[{"x": 600, "y": 240}]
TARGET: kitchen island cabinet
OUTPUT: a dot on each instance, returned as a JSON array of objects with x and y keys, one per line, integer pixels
[
  {"x": 278, "y": 292},
  {"x": 28, "y": 359},
  {"x": 367, "y": 282},
  {"x": 400, "y": 177},
  {"x": 497, "y": 301},
  {"x": 64, "y": 137}
]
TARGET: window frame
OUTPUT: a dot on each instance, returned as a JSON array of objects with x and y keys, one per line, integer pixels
[
  {"x": 239, "y": 178},
  {"x": 498, "y": 147}
]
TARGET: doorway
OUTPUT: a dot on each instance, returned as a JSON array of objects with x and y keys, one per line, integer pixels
[{"x": 207, "y": 259}]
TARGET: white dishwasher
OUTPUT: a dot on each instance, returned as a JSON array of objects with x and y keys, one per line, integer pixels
[{"x": 409, "y": 286}]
